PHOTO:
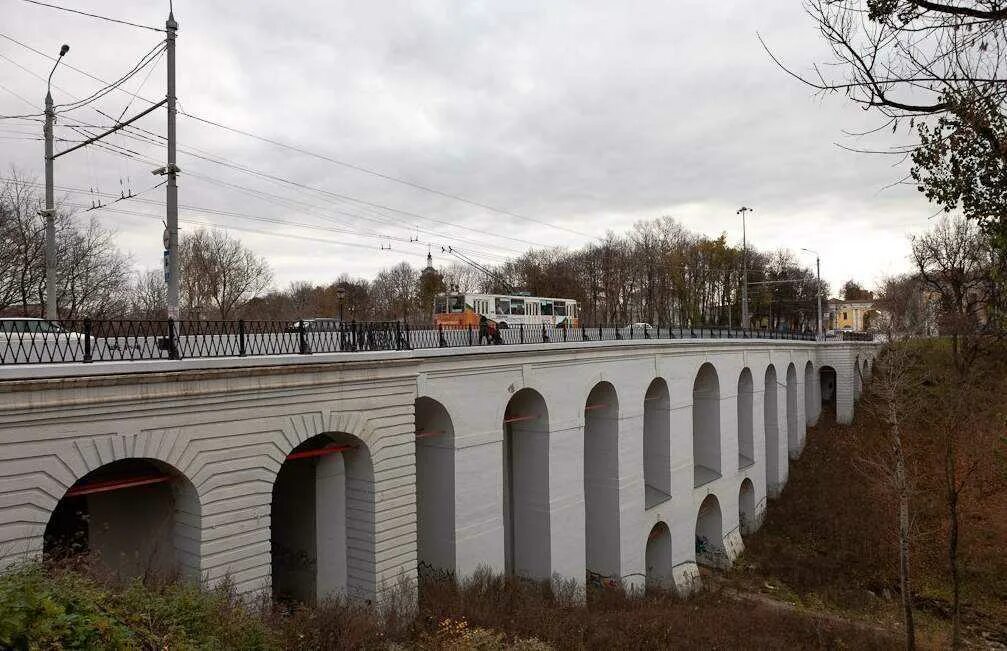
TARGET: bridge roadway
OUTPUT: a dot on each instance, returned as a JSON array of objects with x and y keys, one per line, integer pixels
[{"x": 625, "y": 461}]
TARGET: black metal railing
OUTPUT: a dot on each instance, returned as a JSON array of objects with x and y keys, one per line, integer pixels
[{"x": 39, "y": 341}]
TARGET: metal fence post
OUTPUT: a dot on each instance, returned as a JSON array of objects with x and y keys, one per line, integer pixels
[
  {"x": 545, "y": 337},
  {"x": 172, "y": 343},
  {"x": 302, "y": 337},
  {"x": 469, "y": 326},
  {"x": 564, "y": 332},
  {"x": 600, "y": 334},
  {"x": 520, "y": 329},
  {"x": 440, "y": 336},
  {"x": 241, "y": 337},
  {"x": 87, "y": 340}
]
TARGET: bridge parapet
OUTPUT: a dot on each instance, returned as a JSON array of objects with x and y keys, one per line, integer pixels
[{"x": 41, "y": 341}]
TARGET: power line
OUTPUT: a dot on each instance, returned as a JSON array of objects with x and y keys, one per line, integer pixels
[
  {"x": 324, "y": 157},
  {"x": 382, "y": 175},
  {"x": 90, "y": 15},
  {"x": 359, "y": 204}
]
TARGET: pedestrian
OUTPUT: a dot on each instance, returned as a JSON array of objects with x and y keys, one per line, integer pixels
[{"x": 483, "y": 330}]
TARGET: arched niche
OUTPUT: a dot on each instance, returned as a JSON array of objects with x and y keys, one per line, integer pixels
[
  {"x": 746, "y": 434},
  {"x": 793, "y": 415},
  {"x": 601, "y": 481},
  {"x": 706, "y": 426},
  {"x": 811, "y": 405},
  {"x": 435, "y": 487},
  {"x": 771, "y": 424},
  {"x": 657, "y": 444},
  {"x": 526, "y": 485}
]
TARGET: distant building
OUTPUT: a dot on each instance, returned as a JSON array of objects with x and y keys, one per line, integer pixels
[{"x": 850, "y": 315}]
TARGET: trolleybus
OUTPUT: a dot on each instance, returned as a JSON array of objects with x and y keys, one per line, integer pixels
[{"x": 461, "y": 310}]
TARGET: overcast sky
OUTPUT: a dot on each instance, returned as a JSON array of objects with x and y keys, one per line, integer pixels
[{"x": 584, "y": 115}]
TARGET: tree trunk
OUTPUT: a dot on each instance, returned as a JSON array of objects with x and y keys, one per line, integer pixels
[
  {"x": 902, "y": 486},
  {"x": 952, "y": 496}
]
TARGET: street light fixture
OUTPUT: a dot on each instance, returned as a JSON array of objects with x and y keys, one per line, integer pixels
[
  {"x": 818, "y": 273},
  {"x": 50, "y": 208},
  {"x": 745, "y": 324}
]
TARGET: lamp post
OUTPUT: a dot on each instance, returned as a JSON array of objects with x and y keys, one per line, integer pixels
[
  {"x": 818, "y": 273},
  {"x": 340, "y": 295},
  {"x": 50, "y": 207},
  {"x": 745, "y": 324}
]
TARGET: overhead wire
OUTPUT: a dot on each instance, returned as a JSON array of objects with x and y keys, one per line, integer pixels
[
  {"x": 97, "y": 16},
  {"x": 318, "y": 155}
]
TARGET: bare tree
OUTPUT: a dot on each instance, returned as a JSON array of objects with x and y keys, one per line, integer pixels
[
  {"x": 915, "y": 62},
  {"x": 148, "y": 297},
  {"x": 219, "y": 274},
  {"x": 892, "y": 393},
  {"x": 957, "y": 264}
]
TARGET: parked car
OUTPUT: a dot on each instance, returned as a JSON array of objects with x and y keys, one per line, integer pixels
[
  {"x": 315, "y": 325},
  {"x": 640, "y": 330},
  {"x": 25, "y": 339}
]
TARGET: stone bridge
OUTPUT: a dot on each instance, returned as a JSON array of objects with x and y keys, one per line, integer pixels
[{"x": 626, "y": 461}]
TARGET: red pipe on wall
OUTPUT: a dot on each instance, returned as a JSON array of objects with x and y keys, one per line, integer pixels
[
  {"x": 115, "y": 484},
  {"x": 320, "y": 452}
]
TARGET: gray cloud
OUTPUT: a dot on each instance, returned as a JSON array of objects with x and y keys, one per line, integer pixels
[{"x": 587, "y": 114}]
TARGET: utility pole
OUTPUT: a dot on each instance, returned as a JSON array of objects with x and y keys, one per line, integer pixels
[
  {"x": 818, "y": 273},
  {"x": 171, "y": 253},
  {"x": 745, "y": 323},
  {"x": 50, "y": 201}
]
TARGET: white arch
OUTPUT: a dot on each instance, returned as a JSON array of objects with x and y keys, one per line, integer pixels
[
  {"x": 322, "y": 520},
  {"x": 136, "y": 516},
  {"x": 659, "y": 557},
  {"x": 710, "y": 534}
]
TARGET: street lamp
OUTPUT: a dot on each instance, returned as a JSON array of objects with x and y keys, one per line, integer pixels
[
  {"x": 50, "y": 208},
  {"x": 744, "y": 269},
  {"x": 340, "y": 295},
  {"x": 818, "y": 273}
]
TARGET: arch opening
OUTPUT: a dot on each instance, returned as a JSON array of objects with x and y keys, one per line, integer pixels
[
  {"x": 657, "y": 444},
  {"x": 771, "y": 424},
  {"x": 706, "y": 426},
  {"x": 746, "y": 438},
  {"x": 858, "y": 385},
  {"x": 747, "y": 517},
  {"x": 133, "y": 518},
  {"x": 827, "y": 382},
  {"x": 659, "y": 558},
  {"x": 322, "y": 516},
  {"x": 601, "y": 481},
  {"x": 793, "y": 415},
  {"x": 526, "y": 485},
  {"x": 710, "y": 534},
  {"x": 435, "y": 487}
]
